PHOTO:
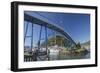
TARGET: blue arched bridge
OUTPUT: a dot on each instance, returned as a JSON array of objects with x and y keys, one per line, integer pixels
[{"x": 39, "y": 54}]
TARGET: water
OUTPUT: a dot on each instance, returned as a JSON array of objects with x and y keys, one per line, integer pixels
[
  {"x": 87, "y": 55},
  {"x": 56, "y": 56}
]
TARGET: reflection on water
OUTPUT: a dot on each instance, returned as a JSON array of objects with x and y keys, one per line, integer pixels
[
  {"x": 57, "y": 56},
  {"x": 87, "y": 55},
  {"x": 54, "y": 56}
]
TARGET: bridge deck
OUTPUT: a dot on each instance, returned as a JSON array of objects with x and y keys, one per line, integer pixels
[{"x": 51, "y": 26}]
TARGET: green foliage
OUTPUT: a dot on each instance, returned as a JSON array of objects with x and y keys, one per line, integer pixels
[{"x": 78, "y": 45}]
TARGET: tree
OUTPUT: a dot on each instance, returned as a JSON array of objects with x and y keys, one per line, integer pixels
[{"x": 78, "y": 46}]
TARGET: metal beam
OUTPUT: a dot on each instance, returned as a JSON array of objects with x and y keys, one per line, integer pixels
[{"x": 38, "y": 21}]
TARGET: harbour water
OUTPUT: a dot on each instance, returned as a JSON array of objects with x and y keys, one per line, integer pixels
[{"x": 55, "y": 56}]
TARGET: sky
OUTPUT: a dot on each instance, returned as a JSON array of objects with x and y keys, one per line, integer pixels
[{"x": 75, "y": 24}]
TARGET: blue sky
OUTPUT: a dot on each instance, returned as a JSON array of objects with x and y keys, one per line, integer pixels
[{"x": 75, "y": 24}]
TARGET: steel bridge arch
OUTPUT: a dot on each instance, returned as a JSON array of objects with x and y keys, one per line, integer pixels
[
  {"x": 44, "y": 23},
  {"x": 40, "y": 22}
]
